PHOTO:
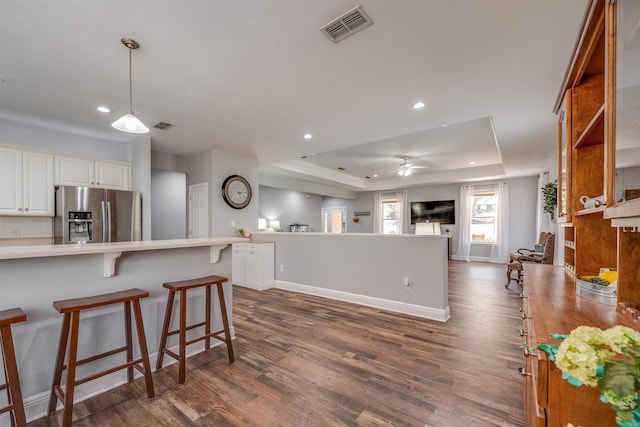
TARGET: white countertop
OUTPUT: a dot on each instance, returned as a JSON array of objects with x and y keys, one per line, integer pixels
[{"x": 16, "y": 252}]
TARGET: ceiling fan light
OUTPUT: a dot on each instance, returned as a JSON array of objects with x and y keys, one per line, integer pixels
[
  {"x": 408, "y": 172},
  {"x": 130, "y": 123}
]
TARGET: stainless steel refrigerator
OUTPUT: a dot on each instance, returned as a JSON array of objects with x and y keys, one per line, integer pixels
[{"x": 96, "y": 215}]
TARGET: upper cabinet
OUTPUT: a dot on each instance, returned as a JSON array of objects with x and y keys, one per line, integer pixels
[
  {"x": 600, "y": 101},
  {"x": 92, "y": 173},
  {"x": 27, "y": 183},
  {"x": 623, "y": 163}
]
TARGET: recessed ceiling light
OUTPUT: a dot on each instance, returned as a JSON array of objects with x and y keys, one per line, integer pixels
[
  {"x": 103, "y": 109},
  {"x": 375, "y": 175},
  {"x": 308, "y": 136},
  {"x": 418, "y": 105},
  {"x": 472, "y": 163},
  {"x": 444, "y": 126}
]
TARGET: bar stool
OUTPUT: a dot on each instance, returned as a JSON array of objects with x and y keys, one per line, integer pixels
[
  {"x": 15, "y": 405},
  {"x": 71, "y": 309},
  {"x": 182, "y": 287}
]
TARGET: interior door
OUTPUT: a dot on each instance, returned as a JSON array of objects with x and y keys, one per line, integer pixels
[
  {"x": 333, "y": 220},
  {"x": 199, "y": 210}
]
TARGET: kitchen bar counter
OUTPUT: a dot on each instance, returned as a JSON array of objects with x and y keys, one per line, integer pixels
[
  {"x": 112, "y": 251},
  {"x": 32, "y": 277}
]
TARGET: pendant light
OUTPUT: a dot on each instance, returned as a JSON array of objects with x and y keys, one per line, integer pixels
[{"x": 129, "y": 122}]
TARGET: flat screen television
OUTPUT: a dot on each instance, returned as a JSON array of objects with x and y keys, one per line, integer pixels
[{"x": 442, "y": 211}]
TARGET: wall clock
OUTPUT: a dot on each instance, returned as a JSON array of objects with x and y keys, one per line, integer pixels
[{"x": 236, "y": 191}]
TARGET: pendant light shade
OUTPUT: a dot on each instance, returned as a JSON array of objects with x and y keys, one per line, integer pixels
[{"x": 129, "y": 122}]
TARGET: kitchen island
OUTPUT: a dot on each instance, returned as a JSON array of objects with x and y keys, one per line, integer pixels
[{"x": 32, "y": 277}]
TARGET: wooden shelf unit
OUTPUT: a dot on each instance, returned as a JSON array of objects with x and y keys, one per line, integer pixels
[
  {"x": 600, "y": 237},
  {"x": 594, "y": 243}
]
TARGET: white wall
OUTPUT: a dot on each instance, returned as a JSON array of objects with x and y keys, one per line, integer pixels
[
  {"x": 45, "y": 138},
  {"x": 367, "y": 269},
  {"x": 168, "y": 205},
  {"x": 290, "y": 207},
  {"x": 214, "y": 167}
]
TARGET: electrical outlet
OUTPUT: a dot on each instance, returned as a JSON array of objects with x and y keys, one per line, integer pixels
[
  {"x": 233, "y": 224},
  {"x": 281, "y": 268},
  {"x": 16, "y": 232},
  {"x": 405, "y": 282}
]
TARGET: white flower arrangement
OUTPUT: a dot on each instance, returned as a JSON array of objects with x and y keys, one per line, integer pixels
[{"x": 608, "y": 359}]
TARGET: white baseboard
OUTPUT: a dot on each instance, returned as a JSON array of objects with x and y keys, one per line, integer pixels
[
  {"x": 37, "y": 406},
  {"x": 441, "y": 315}
]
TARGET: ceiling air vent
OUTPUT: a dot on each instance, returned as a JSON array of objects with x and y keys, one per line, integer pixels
[
  {"x": 163, "y": 125},
  {"x": 347, "y": 24}
]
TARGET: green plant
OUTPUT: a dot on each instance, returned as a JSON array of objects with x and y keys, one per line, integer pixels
[{"x": 550, "y": 197}]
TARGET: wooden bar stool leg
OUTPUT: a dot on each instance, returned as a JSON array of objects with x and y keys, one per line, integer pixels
[
  {"x": 225, "y": 322},
  {"x": 207, "y": 321},
  {"x": 67, "y": 416},
  {"x": 11, "y": 375},
  {"x": 182, "y": 361},
  {"x": 165, "y": 329},
  {"x": 127, "y": 332},
  {"x": 62, "y": 351},
  {"x": 144, "y": 352}
]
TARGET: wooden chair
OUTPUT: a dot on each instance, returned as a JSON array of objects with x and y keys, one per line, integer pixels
[
  {"x": 182, "y": 287},
  {"x": 71, "y": 309},
  {"x": 547, "y": 254},
  {"x": 541, "y": 242},
  {"x": 515, "y": 264},
  {"x": 15, "y": 406}
]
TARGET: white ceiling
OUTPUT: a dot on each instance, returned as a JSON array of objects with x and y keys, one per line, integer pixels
[{"x": 253, "y": 76}]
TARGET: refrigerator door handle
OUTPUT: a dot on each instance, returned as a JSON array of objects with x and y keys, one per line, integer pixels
[
  {"x": 103, "y": 208},
  {"x": 108, "y": 222}
]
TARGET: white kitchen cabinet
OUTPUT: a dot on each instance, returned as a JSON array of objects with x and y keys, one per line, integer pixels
[
  {"x": 27, "y": 183},
  {"x": 92, "y": 173},
  {"x": 252, "y": 265}
]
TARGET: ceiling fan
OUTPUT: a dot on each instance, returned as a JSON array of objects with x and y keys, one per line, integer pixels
[{"x": 407, "y": 169}]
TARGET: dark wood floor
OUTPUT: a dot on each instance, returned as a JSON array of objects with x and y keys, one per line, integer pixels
[{"x": 308, "y": 361}]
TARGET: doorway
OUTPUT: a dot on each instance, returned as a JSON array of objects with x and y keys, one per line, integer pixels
[{"x": 333, "y": 220}]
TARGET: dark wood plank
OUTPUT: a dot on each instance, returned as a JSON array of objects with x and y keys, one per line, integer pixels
[{"x": 305, "y": 360}]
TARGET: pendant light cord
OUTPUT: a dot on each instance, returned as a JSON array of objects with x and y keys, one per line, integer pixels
[{"x": 130, "y": 85}]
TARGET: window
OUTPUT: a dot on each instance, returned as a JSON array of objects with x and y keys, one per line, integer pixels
[
  {"x": 483, "y": 217},
  {"x": 390, "y": 212},
  {"x": 391, "y": 217}
]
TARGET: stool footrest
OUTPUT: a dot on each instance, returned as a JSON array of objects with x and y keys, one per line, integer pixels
[
  {"x": 100, "y": 356},
  {"x": 210, "y": 335},
  {"x": 97, "y": 375},
  {"x": 6, "y": 409},
  {"x": 177, "y": 331}
]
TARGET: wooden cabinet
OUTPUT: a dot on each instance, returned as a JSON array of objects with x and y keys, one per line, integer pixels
[
  {"x": 590, "y": 240},
  {"x": 253, "y": 265},
  {"x": 600, "y": 103},
  {"x": 27, "y": 183},
  {"x": 92, "y": 173},
  {"x": 549, "y": 399}
]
